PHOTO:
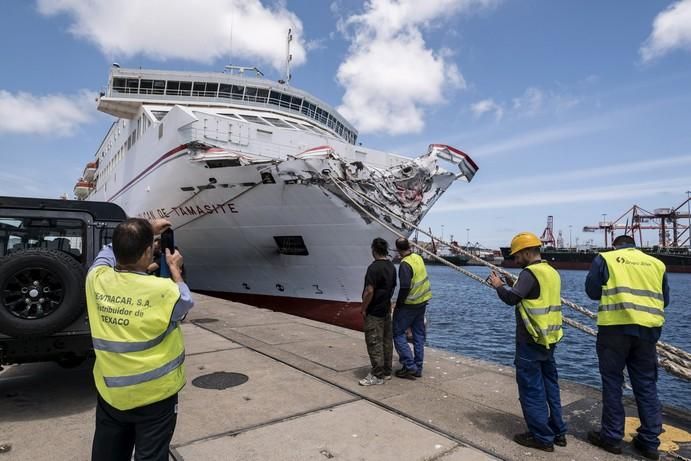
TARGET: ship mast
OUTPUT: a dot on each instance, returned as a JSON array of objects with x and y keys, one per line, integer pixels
[{"x": 289, "y": 57}]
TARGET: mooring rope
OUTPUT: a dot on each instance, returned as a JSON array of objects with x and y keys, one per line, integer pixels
[
  {"x": 674, "y": 360},
  {"x": 683, "y": 356}
]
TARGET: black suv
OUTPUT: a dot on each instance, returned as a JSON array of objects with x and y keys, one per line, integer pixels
[{"x": 46, "y": 247}]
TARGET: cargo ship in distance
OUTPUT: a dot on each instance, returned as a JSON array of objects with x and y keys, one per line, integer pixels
[
  {"x": 263, "y": 183},
  {"x": 676, "y": 259}
]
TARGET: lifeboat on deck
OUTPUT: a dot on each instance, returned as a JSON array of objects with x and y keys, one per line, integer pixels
[
  {"x": 90, "y": 171},
  {"x": 82, "y": 189}
]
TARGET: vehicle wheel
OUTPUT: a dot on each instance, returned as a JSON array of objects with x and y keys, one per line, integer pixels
[{"x": 41, "y": 292}]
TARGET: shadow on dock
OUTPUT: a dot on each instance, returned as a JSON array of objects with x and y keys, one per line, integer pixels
[{"x": 298, "y": 399}]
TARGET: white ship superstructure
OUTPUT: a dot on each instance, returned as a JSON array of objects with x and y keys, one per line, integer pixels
[{"x": 244, "y": 168}]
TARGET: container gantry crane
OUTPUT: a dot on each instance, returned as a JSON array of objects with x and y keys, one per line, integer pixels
[{"x": 672, "y": 231}]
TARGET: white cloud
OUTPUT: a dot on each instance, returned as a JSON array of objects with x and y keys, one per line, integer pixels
[
  {"x": 534, "y": 101},
  {"x": 537, "y": 137},
  {"x": 487, "y": 106},
  {"x": 531, "y": 102},
  {"x": 560, "y": 132},
  {"x": 581, "y": 175},
  {"x": 388, "y": 82},
  {"x": 20, "y": 185},
  {"x": 576, "y": 195},
  {"x": 390, "y": 74},
  {"x": 389, "y": 17},
  {"x": 184, "y": 29},
  {"x": 55, "y": 115},
  {"x": 671, "y": 29}
]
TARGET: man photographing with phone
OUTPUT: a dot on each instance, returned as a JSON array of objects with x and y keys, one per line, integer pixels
[
  {"x": 167, "y": 241},
  {"x": 135, "y": 327}
]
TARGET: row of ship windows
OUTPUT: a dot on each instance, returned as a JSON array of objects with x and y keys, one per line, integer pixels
[
  {"x": 140, "y": 127},
  {"x": 237, "y": 92}
]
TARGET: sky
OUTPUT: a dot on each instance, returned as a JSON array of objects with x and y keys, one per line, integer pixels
[{"x": 576, "y": 110}]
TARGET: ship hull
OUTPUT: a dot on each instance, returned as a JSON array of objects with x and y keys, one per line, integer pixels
[
  {"x": 571, "y": 260},
  {"x": 344, "y": 314},
  {"x": 281, "y": 233},
  {"x": 456, "y": 260},
  {"x": 271, "y": 199},
  {"x": 230, "y": 247}
]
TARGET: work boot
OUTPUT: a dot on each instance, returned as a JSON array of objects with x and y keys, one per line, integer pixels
[
  {"x": 527, "y": 440},
  {"x": 418, "y": 373},
  {"x": 646, "y": 452},
  {"x": 560, "y": 440},
  {"x": 405, "y": 373},
  {"x": 595, "y": 439}
]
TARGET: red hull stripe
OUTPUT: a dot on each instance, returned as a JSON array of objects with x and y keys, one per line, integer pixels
[
  {"x": 458, "y": 152},
  {"x": 339, "y": 313},
  {"x": 148, "y": 170},
  {"x": 316, "y": 148}
]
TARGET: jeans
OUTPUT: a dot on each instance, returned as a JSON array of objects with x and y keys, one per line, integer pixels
[
  {"x": 413, "y": 318},
  {"x": 379, "y": 344},
  {"x": 538, "y": 390},
  {"x": 615, "y": 352}
]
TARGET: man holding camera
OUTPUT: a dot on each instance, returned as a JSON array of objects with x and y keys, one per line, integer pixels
[{"x": 135, "y": 327}]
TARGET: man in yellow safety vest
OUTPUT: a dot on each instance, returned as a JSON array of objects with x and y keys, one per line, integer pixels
[
  {"x": 633, "y": 292},
  {"x": 537, "y": 297},
  {"x": 135, "y": 327},
  {"x": 413, "y": 294}
]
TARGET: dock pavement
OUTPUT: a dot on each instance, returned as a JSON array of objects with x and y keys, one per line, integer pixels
[{"x": 270, "y": 386}]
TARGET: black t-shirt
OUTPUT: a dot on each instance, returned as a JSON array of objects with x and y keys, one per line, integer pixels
[{"x": 381, "y": 275}]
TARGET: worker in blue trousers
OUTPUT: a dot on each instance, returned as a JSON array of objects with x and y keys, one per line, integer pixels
[
  {"x": 537, "y": 297},
  {"x": 633, "y": 291},
  {"x": 414, "y": 294}
]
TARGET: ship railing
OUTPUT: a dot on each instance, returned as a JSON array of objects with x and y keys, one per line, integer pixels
[
  {"x": 220, "y": 96},
  {"x": 312, "y": 111}
]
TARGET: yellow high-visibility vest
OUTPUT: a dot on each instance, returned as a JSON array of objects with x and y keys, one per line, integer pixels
[
  {"x": 139, "y": 351},
  {"x": 633, "y": 292},
  {"x": 542, "y": 316},
  {"x": 420, "y": 288}
]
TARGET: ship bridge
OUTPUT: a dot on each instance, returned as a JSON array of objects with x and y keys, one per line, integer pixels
[{"x": 128, "y": 89}]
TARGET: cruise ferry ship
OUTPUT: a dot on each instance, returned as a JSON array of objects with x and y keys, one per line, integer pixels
[{"x": 265, "y": 185}]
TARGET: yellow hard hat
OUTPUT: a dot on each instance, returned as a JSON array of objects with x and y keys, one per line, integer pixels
[{"x": 524, "y": 240}]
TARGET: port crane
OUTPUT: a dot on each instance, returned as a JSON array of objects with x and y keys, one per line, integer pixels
[
  {"x": 547, "y": 237},
  {"x": 673, "y": 231}
]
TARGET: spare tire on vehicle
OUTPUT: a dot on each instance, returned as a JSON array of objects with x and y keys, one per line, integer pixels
[{"x": 41, "y": 292}]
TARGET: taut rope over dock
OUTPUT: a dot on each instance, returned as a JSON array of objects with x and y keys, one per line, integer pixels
[{"x": 674, "y": 360}]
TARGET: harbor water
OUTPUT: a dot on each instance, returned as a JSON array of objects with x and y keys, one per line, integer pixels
[{"x": 468, "y": 318}]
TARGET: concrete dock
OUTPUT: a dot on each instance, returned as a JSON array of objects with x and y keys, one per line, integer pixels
[{"x": 294, "y": 395}]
